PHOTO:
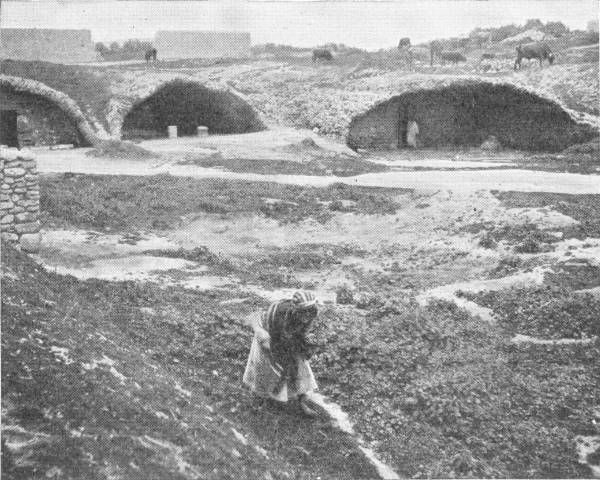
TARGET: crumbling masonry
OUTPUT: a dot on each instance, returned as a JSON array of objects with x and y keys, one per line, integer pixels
[{"x": 19, "y": 199}]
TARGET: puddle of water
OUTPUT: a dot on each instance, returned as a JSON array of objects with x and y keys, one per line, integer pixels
[
  {"x": 510, "y": 179},
  {"x": 592, "y": 291},
  {"x": 135, "y": 267},
  {"x": 585, "y": 446},
  {"x": 342, "y": 421},
  {"x": 445, "y": 164},
  {"x": 447, "y": 292},
  {"x": 561, "y": 341},
  {"x": 138, "y": 242},
  {"x": 207, "y": 282},
  {"x": 385, "y": 472}
]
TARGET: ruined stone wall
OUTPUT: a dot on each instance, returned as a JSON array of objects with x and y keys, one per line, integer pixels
[
  {"x": 198, "y": 44},
  {"x": 49, "y": 45},
  {"x": 19, "y": 199}
]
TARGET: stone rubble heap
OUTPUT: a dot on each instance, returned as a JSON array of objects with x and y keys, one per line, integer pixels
[{"x": 19, "y": 199}]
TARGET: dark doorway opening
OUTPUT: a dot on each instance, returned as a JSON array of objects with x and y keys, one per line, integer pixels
[{"x": 9, "y": 134}]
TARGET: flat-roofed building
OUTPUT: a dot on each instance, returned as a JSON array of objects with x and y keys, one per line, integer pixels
[{"x": 48, "y": 45}]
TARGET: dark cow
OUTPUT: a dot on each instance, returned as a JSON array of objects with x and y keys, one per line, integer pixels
[
  {"x": 404, "y": 43},
  {"x": 488, "y": 56},
  {"x": 151, "y": 55},
  {"x": 539, "y": 50},
  {"x": 321, "y": 54},
  {"x": 453, "y": 57}
]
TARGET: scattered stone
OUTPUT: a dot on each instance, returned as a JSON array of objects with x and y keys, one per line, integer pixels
[
  {"x": 26, "y": 217},
  {"x": 14, "y": 172},
  {"x": 7, "y": 236},
  {"x": 32, "y": 227}
]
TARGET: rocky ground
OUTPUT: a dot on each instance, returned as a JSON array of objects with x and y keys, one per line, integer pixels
[
  {"x": 444, "y": 311},
  {"x": 458, "y": 334}
]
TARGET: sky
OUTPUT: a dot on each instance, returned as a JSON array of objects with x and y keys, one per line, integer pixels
[{"x": 365, "y": 24}]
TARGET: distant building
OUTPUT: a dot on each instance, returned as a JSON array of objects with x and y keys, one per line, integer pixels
[
  {"x": 592, "y": 26},
  {"x": 49, "y": 45},
  {"x": 202, "y": 44}
]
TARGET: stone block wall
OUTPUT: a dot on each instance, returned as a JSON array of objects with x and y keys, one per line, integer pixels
[{"x": 19, "y": 199}]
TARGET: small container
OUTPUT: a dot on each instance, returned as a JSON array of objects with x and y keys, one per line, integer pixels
[
  {"x": 202, "y": 131},
  {"x": 172, "y": 131}
]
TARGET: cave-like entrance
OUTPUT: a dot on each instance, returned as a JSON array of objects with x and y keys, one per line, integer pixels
[
  {"x": 466, "y": 114},
  {"x": 9, "y": 135},
  {"x": 30, "y": 119},
  {"x": 188, "y": 105}
]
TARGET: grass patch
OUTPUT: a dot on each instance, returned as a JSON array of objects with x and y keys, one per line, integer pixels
[
  {"x": 583, "y": 208},
  {"x": 181, "y": 357},
  {"x": 119, "y": 149},
  {"x": 159, "y": 202},
  {"x": 550, "y": 311},
  {"x": 580, "y": 158},
  {"x": 525, "y": 238},
  {"x": 341, "y": 167},
  {"x": 447, "y": 396},
  {"x": 578, "y": 276}
]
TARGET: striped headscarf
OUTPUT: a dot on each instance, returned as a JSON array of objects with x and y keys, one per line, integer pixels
[
  {"x": 301, "y": 300},
  {"x": 287, "y": 322}
]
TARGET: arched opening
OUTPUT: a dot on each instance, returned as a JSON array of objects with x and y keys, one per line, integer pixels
[
  {"x": 33, "y": 120},
  {"x": 466, "y": 114},
  {"x": 189, "y": 105}
]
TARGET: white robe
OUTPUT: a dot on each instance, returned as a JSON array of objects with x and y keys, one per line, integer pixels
[{"x": 263, "y": 379}]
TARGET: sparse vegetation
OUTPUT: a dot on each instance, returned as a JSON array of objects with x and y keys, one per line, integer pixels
[
  {"x": 118, "y": 203},
  {"x": 545, "y": 312},
  {"x": 448, "y": 396},
  {"x": 341, "y": 166},
  {"x": 583, "y": 208}
]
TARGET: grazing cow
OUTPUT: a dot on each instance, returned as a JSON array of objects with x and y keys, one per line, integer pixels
[
  {"x": 151, "y": 55},
  {"x": 539, "y": 50},
  {"x": 404, "y": 43},
  {"x": 488, "y": 56},
  {"x": 453, "y": 57},
  {"x": 435, "y": 48},
  {"x": 321, "y": 54}
]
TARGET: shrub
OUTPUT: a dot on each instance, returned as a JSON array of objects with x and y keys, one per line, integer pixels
[{"x": 343, "y": 295}]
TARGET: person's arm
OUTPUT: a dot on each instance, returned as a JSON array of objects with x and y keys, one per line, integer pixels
[{"x": 261, "y": 334}]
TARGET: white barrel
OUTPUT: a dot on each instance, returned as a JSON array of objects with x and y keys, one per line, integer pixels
[
  {"x": 172, "y": 131},
  {"x": 202, "y": 131}
]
